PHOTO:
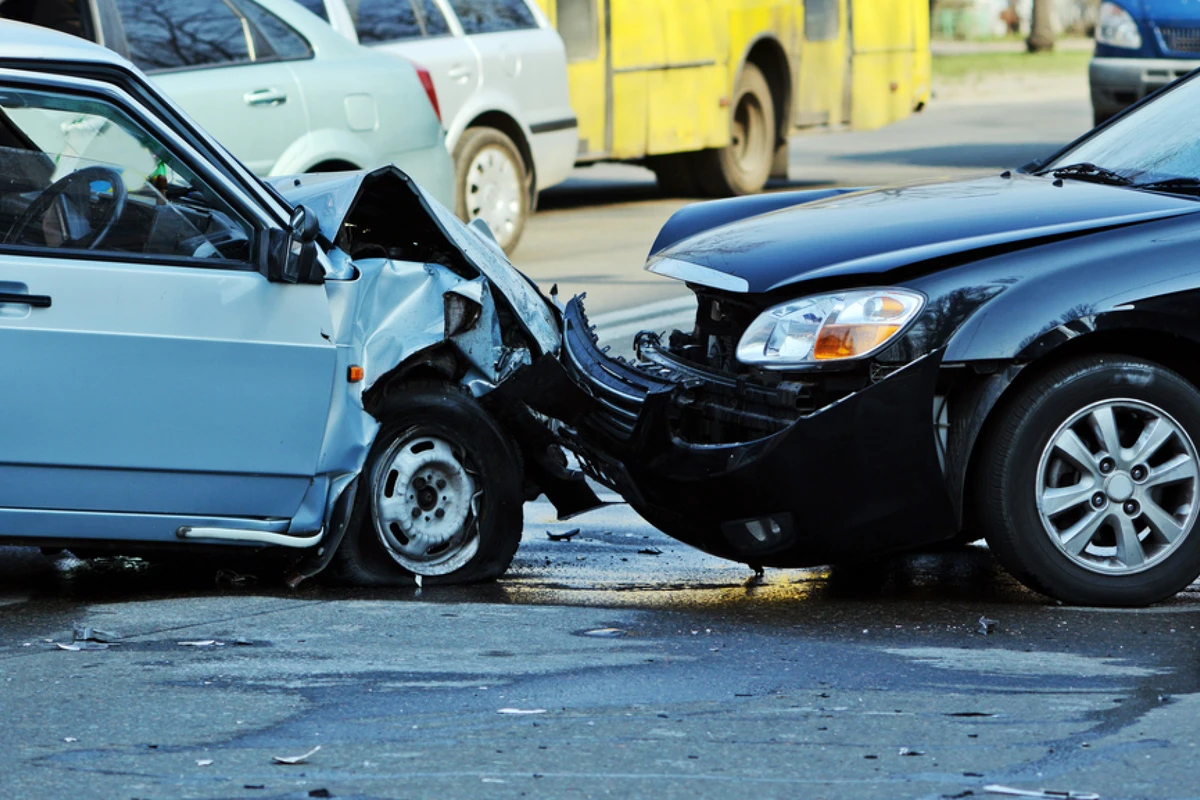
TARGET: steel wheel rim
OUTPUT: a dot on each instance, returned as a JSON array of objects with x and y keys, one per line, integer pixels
[
  {"x": 426, "y": 474},
  {"x": 493, "y": 192},
  {"x": 1117, "y": 487}
]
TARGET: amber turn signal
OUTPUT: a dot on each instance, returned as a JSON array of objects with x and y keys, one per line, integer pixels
[{"x": 355, "y": 374}]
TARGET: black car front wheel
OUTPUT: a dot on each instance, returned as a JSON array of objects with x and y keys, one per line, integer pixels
[
  {"x": 1089, "y": 484},
  {"x": 440, "y": 495}
]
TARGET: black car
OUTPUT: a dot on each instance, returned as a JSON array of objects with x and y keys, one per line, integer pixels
[{"x": 1014, "y": 357}]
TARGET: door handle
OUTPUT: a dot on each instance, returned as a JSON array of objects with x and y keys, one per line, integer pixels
[
  {"x": 35, "y": 300},
  {"x": 265, "y": 97},
  {"x": 459, "y": 72}
]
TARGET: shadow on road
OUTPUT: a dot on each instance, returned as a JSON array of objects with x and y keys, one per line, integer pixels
[{"x": 959, "y": 155}]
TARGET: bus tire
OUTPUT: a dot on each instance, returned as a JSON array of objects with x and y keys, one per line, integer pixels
[{"x": 744, "y": 166}]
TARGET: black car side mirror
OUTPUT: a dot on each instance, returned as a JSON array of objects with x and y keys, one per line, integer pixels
[{"x": 291, "y": 255}]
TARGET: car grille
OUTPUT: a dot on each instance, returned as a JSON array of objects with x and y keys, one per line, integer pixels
[{"x": 1180, "y": 38}]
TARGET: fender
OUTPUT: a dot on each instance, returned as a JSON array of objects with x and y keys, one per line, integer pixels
[
  {"x": 326, "y": 144},
  {"x": 699, "y": 217},
  {"x": 1062, "y": 290},
  {"x": 483, "y": 102}
]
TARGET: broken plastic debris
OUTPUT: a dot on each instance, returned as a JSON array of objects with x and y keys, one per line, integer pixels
[
  {"x": 320, "y": 793},
  {"x": 69, "y": 739},
  {"x": 95, "y": 635},
  {"x": 76, "y": 646},
  {"x": 905, "y": 751},
  {"x": 295, "y": 759},
  {"x": 649, "y": 551},
  {"x": 605, "y": 633},
  {"x": 1051, "y": 793},
  {"x": 562, "y": 537},
  {"x": 987, "y": 626},
  {"x": 521, "y": 711},
  {"x": 227, "y": 577},
  {"x": 203, "y": 762},
  {"x": 203, "y": 643}
]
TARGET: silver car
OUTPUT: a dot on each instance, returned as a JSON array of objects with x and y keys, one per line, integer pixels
[
  {"x": 278, "y": 88},
  {"x": 500, "y": 70},
  {"x": 194, "y": 358}
]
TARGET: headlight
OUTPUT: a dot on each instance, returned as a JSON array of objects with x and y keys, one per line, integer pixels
[
  {"x": 828, "y": 327},
  {"x": 1116, "y": 27}
]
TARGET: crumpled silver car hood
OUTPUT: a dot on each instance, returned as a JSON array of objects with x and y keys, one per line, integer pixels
[{"x": 332, "y": 197}]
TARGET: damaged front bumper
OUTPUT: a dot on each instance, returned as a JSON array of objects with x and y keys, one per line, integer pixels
[{"x": 759, "y": 473}]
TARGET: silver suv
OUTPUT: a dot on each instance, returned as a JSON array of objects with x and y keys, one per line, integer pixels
[{"x": 500, "y": 70}]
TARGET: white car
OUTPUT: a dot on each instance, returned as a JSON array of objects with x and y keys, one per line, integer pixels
[
  {"x": 500, "y": 70},
  {"x": 277, "y": 87}
]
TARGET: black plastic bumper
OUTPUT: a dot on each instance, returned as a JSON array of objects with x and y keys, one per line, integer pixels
[{"x": 856, "y": 478}]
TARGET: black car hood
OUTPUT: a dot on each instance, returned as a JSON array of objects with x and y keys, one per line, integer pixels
[{"x": 872, "y": 232}]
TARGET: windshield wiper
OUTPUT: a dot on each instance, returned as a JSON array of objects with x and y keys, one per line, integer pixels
[
  {"x": 1175, "y": 185},
  {"x": 1090, "y": 172}
]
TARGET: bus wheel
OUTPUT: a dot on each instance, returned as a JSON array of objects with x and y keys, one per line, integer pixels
[{"x": 744, "y": 166}]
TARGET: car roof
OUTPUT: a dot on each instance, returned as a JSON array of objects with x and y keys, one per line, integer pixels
[{"x": 19, "y": 41}]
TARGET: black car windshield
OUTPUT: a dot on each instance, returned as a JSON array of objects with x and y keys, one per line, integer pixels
[{"x": 1156, "y": 143}]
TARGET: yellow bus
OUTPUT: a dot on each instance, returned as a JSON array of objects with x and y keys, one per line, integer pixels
[{"x": 706, "y": 92}]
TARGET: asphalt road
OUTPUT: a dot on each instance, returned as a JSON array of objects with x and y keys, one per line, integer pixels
[{"x": 616, "y": 663}]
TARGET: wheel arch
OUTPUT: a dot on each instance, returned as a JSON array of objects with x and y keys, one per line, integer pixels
[{"x": 977, "y": 400}]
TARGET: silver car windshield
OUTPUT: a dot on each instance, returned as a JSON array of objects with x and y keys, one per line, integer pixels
[{"x": 1155, "y": 143}]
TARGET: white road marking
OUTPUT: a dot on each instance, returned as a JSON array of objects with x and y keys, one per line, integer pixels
[{"x": 12, "y": 600}]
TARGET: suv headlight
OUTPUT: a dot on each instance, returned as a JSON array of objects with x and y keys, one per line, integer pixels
[
  {"x": 1116, "y": 27},
  {"x": 828, "y": 327}
]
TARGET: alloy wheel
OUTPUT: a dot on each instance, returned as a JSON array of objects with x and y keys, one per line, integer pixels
[{"x": 1117, "y": 486}]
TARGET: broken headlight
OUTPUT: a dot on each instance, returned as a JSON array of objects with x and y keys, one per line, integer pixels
[{"x": 828, "y": 327}]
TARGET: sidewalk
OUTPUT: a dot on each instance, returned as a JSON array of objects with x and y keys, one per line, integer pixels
[{"x": 950, "y": 47}]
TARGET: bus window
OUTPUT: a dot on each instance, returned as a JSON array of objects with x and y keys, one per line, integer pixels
[
  {"x": 577, "y": 25},
  {"x": 821, "y": 20}
]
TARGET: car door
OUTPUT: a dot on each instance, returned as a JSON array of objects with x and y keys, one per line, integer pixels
[
  {"x": 420, "y": 32},
  {"x": 152, "y": 372},
  {"x": 513, "y": 51},
  {"x": 210, "y": 57}
]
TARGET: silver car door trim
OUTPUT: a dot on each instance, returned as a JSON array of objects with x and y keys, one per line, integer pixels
[{"x": 242, "y": 535}]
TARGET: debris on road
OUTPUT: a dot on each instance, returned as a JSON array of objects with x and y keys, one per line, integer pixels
[
  {"x": 521, "y": 711},
  {"x": 227, "y": 577},
  {"x": 203, "y": 643},
  {"x": 987, "y": 626},
  {"x": 70, "y": 739},
  {"x": 649, "y": 551},
  {"x": 906, "y": 751},
  {"x": 563, "y": 537},
  {"x": 295, "y": 759},
  {"x": 1044, "y": 793},
  {"x": 204, "y": 762},
  {"x": 77, "y": 646},
  {"x": 95, "y": 635},
  {"x": 605, "y": 633}
]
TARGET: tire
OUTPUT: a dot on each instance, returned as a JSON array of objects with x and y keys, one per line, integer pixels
[
  {"x": 744, "y": 166},
  {"x": 1117, "y": 530},
  {"x": 491, "y": 180},
  {"x": 676, "y": 174},
  {"x": 434, "y": 431}
]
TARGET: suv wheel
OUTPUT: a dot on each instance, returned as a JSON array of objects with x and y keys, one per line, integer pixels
[{"x": 492, "y": 184}]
